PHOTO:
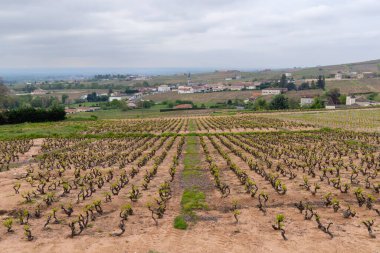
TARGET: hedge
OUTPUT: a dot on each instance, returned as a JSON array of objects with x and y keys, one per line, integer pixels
[{"x": 30, "y": 114}]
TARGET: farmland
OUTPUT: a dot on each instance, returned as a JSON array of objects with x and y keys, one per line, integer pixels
[
  {"x": 290, "y": 182},
  {"x": 363, "y": 120}
]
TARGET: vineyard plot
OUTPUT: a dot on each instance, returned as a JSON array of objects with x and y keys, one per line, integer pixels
[{"x": 230, "y": 185}]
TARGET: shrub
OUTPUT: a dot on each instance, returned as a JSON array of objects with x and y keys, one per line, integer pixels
[{"x": 180, "y": 222}]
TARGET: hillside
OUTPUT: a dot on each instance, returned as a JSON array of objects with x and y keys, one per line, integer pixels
[
  {"x": 298, "y": 73},
  {"x": 367, "y": 66}
]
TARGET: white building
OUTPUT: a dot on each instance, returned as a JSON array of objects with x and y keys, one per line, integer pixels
[
  {"x": 330, "y": 107},
  {"x": 163, "y": 88},
  {"x": 366, "y": 75},
  {"x": 185, "y": 90},
  {"x": 338, "y": 76},
  {"x": 215, "y": 87},
  {"x": 350, "y": 100},
  {"x": 306, "y": 101},
  {"x": 363, "y": 102},
  {"x": 273, "y": 91},
  {"x": 236, "y": 87},
  {"x": 288, "y": 75},
  {"x": 252, "y": 85},
  {"x": 132, "y": 105},
  {"x": 360, "y": 101},
  {"x": 119, "y": 98},
  {"x": 39, "y": 92},
  {"x": 84, "y": 97}
]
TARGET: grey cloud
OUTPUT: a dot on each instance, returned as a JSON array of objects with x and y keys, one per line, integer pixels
[{"x": 197, "y": 33}]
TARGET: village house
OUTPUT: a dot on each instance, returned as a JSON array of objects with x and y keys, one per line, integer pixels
[
  {"x": 236, "y": 87},
  {"x": 363, "y": 102},
  {"x": 350, "y": 100},
  {"x": 216, "y": 87},
  {"x": 353, "y": 75},
  {"x": 39, "y": 92},
  {"x": 81, "y": 109},
  {"x": 199, "y": 89},
  {"x": 83, "y": 97},
  {"x": 185, "y": 90},
  {"x": 273, "y": 91},
  {"x": 132, "y": 105},
  {"x": 119, "y": 98},
  {"x": 136, "y": 96},
  {"x": 252, "y": 85},
  {"x": 338, "y": 76},
  {"x": 365, "y": 75},
  {"x": 163, "y": 88},
  {"x": 307, "y": 101},
  {"x": 359, "y": 101},
  {"x": 147, "y": 89}
]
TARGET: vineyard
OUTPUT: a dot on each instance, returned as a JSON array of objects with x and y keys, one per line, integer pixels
[
  {"x": 192, "y": 184},
  {"x": 359, "y": 120}
]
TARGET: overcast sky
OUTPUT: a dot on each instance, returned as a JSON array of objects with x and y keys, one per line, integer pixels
[{"x": 191, "y": 33}]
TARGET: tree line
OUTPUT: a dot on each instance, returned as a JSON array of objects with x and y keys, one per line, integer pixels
[{"x": 30, "y": 114}]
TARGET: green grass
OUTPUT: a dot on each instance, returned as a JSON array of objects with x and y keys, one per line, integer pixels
[
  {"x": 153, "y": 112},
  {"x": 41, "y": 130},
  {"x": 193, "y": 199},
  {"x": 191, "y": 159},
  {"x": 180, "y": 222},
  {"x": 192, "y": 125}
]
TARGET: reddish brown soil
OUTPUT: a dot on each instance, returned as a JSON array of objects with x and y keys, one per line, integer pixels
[{"x": 215, "y": 231}]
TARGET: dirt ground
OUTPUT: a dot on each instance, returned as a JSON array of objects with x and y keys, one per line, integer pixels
[{"x": 214, "y": 231}]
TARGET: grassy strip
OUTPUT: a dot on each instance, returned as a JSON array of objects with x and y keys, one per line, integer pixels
[
  {"x": 192, "y": 125},
  {"x": 192, "y": 198},
  {"x": 74, "y": 131}
]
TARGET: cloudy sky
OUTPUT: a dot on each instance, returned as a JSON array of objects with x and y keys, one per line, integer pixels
[{"x": 195, "y": 33}]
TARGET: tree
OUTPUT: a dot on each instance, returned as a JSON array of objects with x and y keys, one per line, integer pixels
[
  {"x": 304, "y": 86},
  {"x": 129, "y": 90},
  {"x": 293, "y": 103},
  {"x": 92, "y": 97},
  {"x": 145, "y": 104},
  {"x": 283, "y": 81},
  {"x": 291, "y": 86},
  {"x": 342, "y": 99},
  {"x": 3, "y": 89},
  {"x": 333, "y": 95},
  {"x": 36, "y": 102},
  {"x": 313, "y": 86},
  {"x": 279, "y": 102},
  {"x": 317, "y": 103},
  {"x": 260, "y": 104},
  {"x": 64, "y": 98},
  {"x": 321, "y": 83}
]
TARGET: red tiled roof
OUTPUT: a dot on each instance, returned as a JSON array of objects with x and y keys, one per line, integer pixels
[{"x": 184, "y": 106}]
